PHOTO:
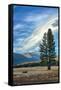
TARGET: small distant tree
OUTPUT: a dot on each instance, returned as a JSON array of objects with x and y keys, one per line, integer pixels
[{"x": 47, "y": 48}]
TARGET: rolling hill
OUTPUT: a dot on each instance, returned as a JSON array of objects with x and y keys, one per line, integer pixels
[{"x": 23, "y": 58}]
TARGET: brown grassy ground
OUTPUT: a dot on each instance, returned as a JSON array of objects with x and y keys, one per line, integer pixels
[{"x": 31, "y": 75}]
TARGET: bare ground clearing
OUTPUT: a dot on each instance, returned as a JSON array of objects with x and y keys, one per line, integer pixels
[{"x": 30, "y": 75}]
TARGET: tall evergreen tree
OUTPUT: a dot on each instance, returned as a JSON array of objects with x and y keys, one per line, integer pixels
[
  {"x": 51, "y": 47},
  {"x": 43, "y": 48},
  {"x": 47, "y": 48}
]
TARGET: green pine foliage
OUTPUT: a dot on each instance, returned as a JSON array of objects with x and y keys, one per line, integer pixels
[{"x": 47, "y": 48}]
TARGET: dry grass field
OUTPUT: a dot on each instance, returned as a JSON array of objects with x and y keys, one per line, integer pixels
[{"x": 29, "y": 75}]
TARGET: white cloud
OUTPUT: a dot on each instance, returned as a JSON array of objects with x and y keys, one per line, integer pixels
[
  {"x": 18, "y": 26},
  {"x": 35, "y": 18},
  {"x": 37, "y": 35}
]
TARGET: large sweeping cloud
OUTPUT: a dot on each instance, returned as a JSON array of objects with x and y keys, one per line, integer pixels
[
  {"x": 30, "y": 24},
  {"x": 37, "y": 35}
]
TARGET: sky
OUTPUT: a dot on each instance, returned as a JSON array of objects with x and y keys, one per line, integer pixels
[{"x": 29, "y": 25}]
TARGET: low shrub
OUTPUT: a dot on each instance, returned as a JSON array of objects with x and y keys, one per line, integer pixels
[{"x": 24, "y": 72}]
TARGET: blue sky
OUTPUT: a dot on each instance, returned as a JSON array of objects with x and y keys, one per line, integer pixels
[{"x": 29, "y": 25}]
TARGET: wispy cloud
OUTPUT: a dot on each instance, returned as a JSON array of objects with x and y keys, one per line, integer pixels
[
  {"x": 35, "y": 17},
  {"x": 37, "y": 35},
  {"x": 18, "y": 26},
  {"x": 55, "y": 24}
]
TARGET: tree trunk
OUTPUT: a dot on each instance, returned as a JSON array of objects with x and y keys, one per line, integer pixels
[
  {"x": 49, "y": 67},
  {"x": 49, "y": 64}
]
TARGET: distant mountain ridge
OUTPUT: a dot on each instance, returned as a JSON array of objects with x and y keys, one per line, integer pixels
[{"x": 23, "y": 58}]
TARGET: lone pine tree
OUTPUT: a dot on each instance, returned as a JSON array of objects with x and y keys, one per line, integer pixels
[
  {"x": 47, "y": 48},
  {"x": 51, "y": 47}
]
